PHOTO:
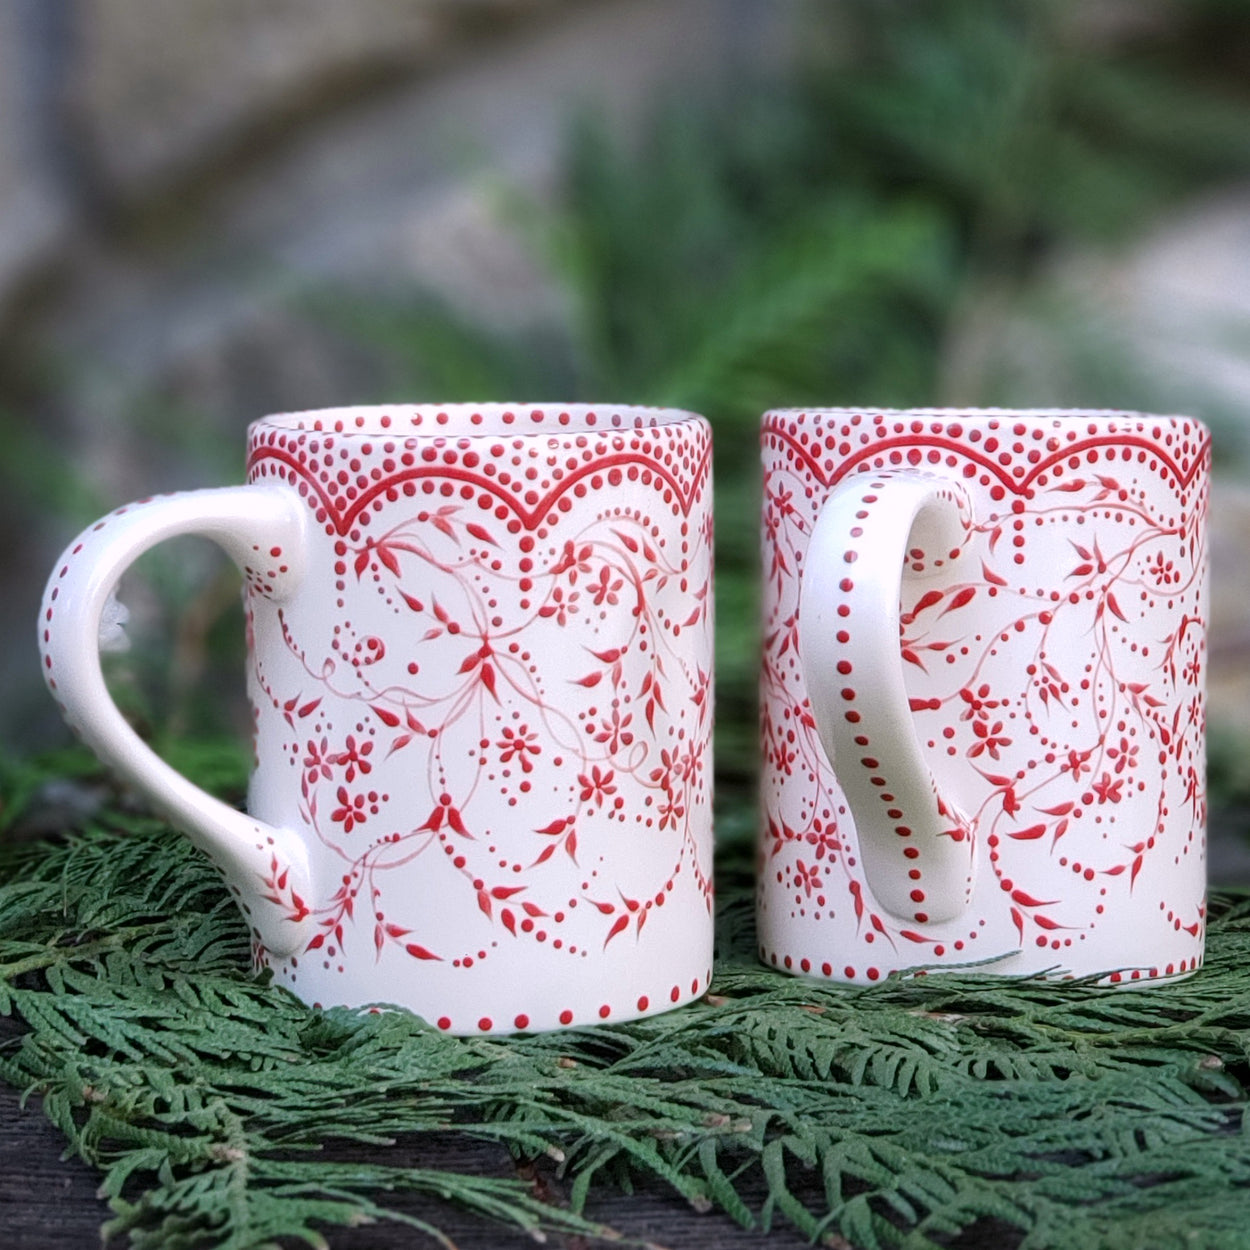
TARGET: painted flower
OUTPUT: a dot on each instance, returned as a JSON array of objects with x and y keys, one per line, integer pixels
[
  {"x": 1163, "y": 570},
  {"x": 989, "y": 739},
  {"x": 354, "y": 810},
  {"x": 573, "y": 560},
  {"x": 1077, "y": 764},
  {"x": 317, "y": 760},
  {"x": 806, "y": 877},
  {"x": 518, "y": 744},
  {"x": 692, "y": 761},
  {"x": 597, "y": 785},
  {"x": 614, "y": 729},
  {"x": 978, "y": 701},
  {"x": 1125, "y": 755},
  {"x": 1108, "y": 789},
  {"x": 783, "y": 756},
  {"x": 782, "y": 500},
  {"x": 671, "y": 812},
  {"x": 353, "y": 756},
  {"x": 561, "y": 606},
  {"x": 662, "y": 777},
  {"x": 604, "y": 590},
  {"x": 824, "y": 839}
]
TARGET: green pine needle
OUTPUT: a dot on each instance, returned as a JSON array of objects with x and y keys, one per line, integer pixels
[{"x": 222, "y": 1112}]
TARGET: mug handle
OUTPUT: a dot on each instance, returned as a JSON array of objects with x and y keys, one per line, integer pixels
[
  {"x": 914, "y": 843},
  {"x": 262, "y": 529}
]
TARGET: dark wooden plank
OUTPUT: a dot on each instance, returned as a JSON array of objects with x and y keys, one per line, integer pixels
[
  {"x": 45, "y": 1201},
  {"x": 50, "y": 1203}
]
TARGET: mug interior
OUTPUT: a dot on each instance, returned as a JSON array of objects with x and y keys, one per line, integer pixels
[
  {"x": 986, "y": 414},
  {"x": 487, "y": 420}
]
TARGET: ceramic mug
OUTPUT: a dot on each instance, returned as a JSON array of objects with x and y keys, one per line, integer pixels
[
  {"x": 480, "y": 659},
  {"x": 983, "y": 693}
]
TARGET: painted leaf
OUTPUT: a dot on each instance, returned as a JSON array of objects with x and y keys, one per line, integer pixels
[
  {"x": 960, "y": 599},
  {"x": 418, "y": 951},
  {"x": 388, "y": 557},
  {"x": 488, "y": 680},
  {"x": 1027, "y": 900}
]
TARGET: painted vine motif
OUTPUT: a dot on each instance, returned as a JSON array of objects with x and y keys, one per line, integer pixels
[
  {"x": 524, "y": 648},
  {"x": 1055, "y": 677}
]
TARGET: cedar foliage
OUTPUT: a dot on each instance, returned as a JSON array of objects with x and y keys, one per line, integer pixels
[
  {"x": 819, "y": 243},
  {"x": 224, "y": 1113}
]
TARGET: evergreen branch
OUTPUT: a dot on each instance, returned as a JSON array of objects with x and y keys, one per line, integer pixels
[{"x": 898, "y": 1115}]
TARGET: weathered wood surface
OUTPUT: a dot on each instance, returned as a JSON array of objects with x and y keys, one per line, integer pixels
[
  {"x": 45, "y": 1201},
  {"x": 50, "y": 1203}
]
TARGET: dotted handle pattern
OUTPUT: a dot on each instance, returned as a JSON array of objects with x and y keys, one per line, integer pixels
[
  {"x": 261, "y": 529},
  {"x": 875, "y": 534}
]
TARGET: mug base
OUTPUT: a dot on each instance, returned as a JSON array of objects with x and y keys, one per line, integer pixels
[
  {"x": 1004, "y": 967},
  {"x": 546, "y": 1006}
]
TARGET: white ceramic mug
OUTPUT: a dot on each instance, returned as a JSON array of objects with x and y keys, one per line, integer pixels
[
  {"x": 983, "y": 692},
  {"x": 480, "y": 663}
]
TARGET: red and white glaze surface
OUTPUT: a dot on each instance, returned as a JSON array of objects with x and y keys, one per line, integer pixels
[
  {"x": 488, "y": 707},
  {"x": 1055, "y": 672}
]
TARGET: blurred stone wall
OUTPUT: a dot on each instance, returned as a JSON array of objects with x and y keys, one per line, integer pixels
[
  {"x": 34, "y": 210},
  {"x": 171, "y": 176},
  {"x": 162, "y": 88},
  {"x": 176, "y": 179},
  {"x": 122, "y": 104}
]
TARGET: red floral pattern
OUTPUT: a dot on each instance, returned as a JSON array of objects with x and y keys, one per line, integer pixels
[
  {"x": 496, "y": 711},
  {"x": 1055, "y": 674}
]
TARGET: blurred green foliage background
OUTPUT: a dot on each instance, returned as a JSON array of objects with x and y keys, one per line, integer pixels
[{"x": 830, "y": 235}]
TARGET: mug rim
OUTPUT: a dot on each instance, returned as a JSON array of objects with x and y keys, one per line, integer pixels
[
  {"x": 973, "y": 413},
  {"x": 494, "y": 419}
]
